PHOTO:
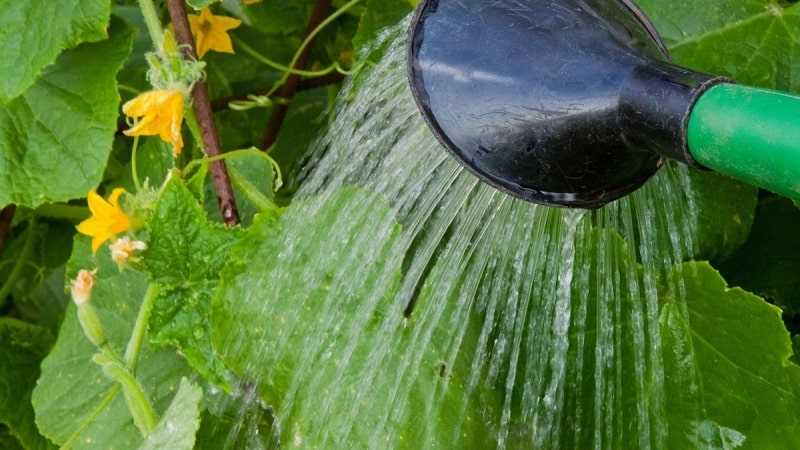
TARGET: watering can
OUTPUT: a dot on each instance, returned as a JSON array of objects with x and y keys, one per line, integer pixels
[{"x": 575, "y": 102}]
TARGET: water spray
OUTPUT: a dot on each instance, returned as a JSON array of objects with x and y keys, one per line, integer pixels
[{"x": 575, "y": 102}]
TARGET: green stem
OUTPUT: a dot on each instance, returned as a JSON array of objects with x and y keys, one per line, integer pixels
[
  {"x": 129, "y": 89},
  {"x": 152, "y": 21},
  {"x": 248, "y": 151},
  {"x": 278, "y": 66},
  {"x": 62, "y": 211},
  {"x": 22, "y": 260},
  {"x": 134, "y": 170},
  {"x": 140, "y": 327},
  {"x": 194, "y": 128},
  {"x": 138, "y": 404}
]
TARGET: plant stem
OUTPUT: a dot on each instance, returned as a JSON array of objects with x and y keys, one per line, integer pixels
[
  {"x": 138, "y": 404},
  {"x": 205, "y": 118},
  {"x": 140, "y": 327},
  {"x": 248, "y": 151},
  {"x": 303, "y": 85},
  {"x": 6, "y": 218},
  {"x": 62, "y": 211},
  {"x": 240, "y": 44},
  {"x": 290, "y": 80},
  {"x": 134, "y": 170},
  {"x": 152, "y": 21}
]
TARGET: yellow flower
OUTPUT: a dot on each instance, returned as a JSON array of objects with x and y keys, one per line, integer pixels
[
  {"x": 162, "y": 115},
  {"x": 81, "y": 286},
  {"x": 211, "y": 32},
  {"x": 107, "y": 220}
]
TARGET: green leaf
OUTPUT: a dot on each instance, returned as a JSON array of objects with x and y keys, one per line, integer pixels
[
  {"x": 177, "y": 427},
  {"x": 74, "y": 401},
  {"x": 185, "y": 255},
  {"x": 40, "y": 30},
  {"x": 7, "y": 441},
  {"x": 277, "y": 293},
  {"x": 379, "y": 14},
  {"x": 257, "y": 174},
  {"x": 24, "y": 347},
  {"x": 753, "y": 41},
  {"x": 34, "y": 251},
  {"x": 200, "y": 4},
  {"x": 184, "y": 247},
  {"x": 55, "y": 138},
  {"x": 235, "y": 421},
  {"x": 729, "y": 378},
  {"x": 154, "y": 160},
  {"x": 768, "y": 264},
  {"x": 265, "y": 281},
  {"x": 725, "y": 211},
  {"x": 45, "y": 305},
  {"x": 279, "y": 17}
]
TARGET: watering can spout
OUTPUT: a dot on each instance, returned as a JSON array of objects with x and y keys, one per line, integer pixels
[{"x": 574, "y": 102}]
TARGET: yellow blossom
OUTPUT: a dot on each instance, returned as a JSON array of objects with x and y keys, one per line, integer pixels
[
  {"x": 81, "y": 286},
  {"x": 122, "y": 250},
  {"x": 107, "y": 220},
  {"x": 211, "y": 32},
  {"x": 162, "y": 114}
]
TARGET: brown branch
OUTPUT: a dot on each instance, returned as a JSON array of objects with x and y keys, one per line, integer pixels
[
  {"x": 287, "y": 90},
  {"x": 6, "y": 218},
  {"x": 205, "y": 118}
]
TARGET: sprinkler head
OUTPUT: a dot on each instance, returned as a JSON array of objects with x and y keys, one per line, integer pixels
[{"x": 559, "y": 102}]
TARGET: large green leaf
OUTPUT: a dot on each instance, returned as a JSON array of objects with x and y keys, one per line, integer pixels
[
  {"x": 72, "y": 399},
  {"x": 24, "y": 347},
  {"x": 176, "y": 429},
  {"x": 753, "y": 41},
  {"x": 308, "y": 310},
  {"x": 725, "y": 210},
  {"x": 737, "y": 387},
  {"x": 377, "y": 15},
  {"x": 34, "y": 32},
  {"x": 234, "y": 421},
  {"x": 56, "y": 137},
  {"x": 185, "y": 255}
]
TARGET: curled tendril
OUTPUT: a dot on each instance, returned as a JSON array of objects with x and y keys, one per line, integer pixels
[{"x": 253, "y": 101}]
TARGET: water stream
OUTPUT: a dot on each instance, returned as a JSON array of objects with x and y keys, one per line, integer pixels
[{"x": 490, "y": 323}]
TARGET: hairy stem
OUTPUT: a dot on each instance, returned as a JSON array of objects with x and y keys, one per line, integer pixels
[
  {"x": 152, "y": 21},
  {"x": 140, "y": 328}
]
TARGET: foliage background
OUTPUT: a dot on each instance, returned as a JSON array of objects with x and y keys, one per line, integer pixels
[{"x": 59, "y": 122}]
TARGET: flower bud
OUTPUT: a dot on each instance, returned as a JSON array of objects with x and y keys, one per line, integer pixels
[
  {"x": 122, "y": 250},
  {"x": 81, "y": 286}
]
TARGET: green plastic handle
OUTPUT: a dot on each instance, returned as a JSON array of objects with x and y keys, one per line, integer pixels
[{"x": 750, "y": 134}]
